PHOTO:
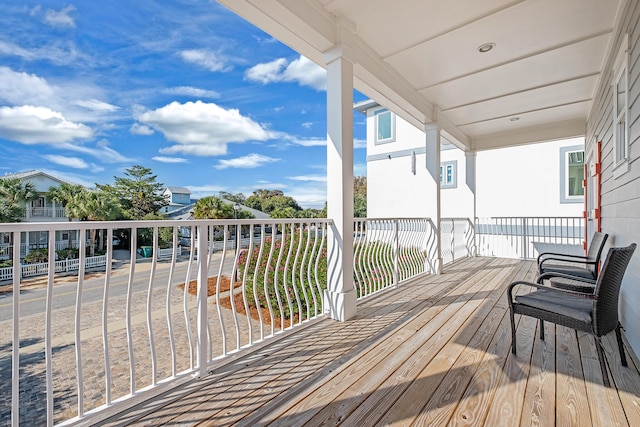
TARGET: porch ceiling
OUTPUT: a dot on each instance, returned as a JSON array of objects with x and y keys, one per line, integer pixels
[{"x": 421, "y": 58}]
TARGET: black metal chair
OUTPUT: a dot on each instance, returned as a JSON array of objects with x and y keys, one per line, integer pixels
[
  {"x": 552, "y": 263},
  {"x": 596, "y": 313}
]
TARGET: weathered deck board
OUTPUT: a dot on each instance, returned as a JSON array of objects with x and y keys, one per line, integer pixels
[{"x": 435, "y": 351}]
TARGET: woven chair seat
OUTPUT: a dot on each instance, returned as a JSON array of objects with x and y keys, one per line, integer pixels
[{"x": 580, "y": 309}]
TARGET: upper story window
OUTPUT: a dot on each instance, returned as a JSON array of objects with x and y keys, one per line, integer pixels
[
  {"x": 385, "y": 126},
  {"x": 621, "y": 109},
  {"x": 572, "y": 174},
  {"x": 448, "y": 174}
]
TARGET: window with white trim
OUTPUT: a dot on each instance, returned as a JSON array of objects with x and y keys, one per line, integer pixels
[
  {"x": 448, "y": 174},
  {"x": 621, "y": 109},
  {"x": 385, "y": 126},
  {"x": 572, "y": 174}
]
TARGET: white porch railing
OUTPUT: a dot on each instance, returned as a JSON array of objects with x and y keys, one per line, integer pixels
[
  {"x": 510, "y": 237},
  {"x": 526, "y": 237},
  {"x": 136, "y": 328},
  {"x": 388, "y": 251},
  {"x": 65, "y": 265},
  {"x": 139, "y": 322},
  {"x": 456, "y": 239}
]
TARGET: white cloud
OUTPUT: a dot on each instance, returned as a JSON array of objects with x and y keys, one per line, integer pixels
[
  {"x": 75, "y": 100},
  {"x": 101, "y": 151},
  {"x": 246, "y": 162},
  {"x": 138, "y": 129},
  {"x": 72, "y": 162},
  {"x": 33, "y": 125},
  {"x": 98, "y": 106},
  {"x": 300, "y": 70},
  {"x": 60, "y": 18},
  {"x": 192, "y": 91},
  {"x": 59, "y": 53},
  {"x": 312, "y": 195},
  {"x": 200, "y": 191},
  {"x": 307, "y": 125},
  {"x": 19, "y": 88},
  {"x": 309, "y": 178},
  {"x": 359, "y": 143},
  {"x": 205, "y": 58},
  {"x": 202, "y": 129},
  {"x": 162, "y": 159},
  {"x": 267, "y": 72},
  {"x": 308, "y": 142}
]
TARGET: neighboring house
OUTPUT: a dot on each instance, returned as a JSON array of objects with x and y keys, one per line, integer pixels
[
  {"x": 42, "y": 209},
  {"x": 513, "y": 181},
  {"x": 177, "y": 197}
]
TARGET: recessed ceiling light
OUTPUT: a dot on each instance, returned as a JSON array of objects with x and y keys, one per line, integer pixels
[
  {"x": 486, "y": 47},
  {"x": 514, "y": 119}
]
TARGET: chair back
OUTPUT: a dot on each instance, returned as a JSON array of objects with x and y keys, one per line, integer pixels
[
  {"x": 605, "y": 316},
  {"x": 596, "y": 246}
]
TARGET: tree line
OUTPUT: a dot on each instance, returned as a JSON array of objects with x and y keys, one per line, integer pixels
[{"x": 138, "y": 196}]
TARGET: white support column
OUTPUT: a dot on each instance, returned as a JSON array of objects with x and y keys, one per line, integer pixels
[
  {"x": 340, "y": 296},
  {"x": 432, "y": 133},
  {"x": 470, "y": 169}
]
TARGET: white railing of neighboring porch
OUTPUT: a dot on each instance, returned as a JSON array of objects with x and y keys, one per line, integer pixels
[
  {"x": 388, "y": 251},
  {"x": 65, "y": 265}
]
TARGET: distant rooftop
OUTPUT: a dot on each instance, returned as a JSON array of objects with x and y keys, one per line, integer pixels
[
  {"x": 33, "y": 173},
  {"x": 179, "y": 190}
]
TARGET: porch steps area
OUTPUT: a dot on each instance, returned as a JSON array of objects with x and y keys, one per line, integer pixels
[{"x": 434, "y": 351}]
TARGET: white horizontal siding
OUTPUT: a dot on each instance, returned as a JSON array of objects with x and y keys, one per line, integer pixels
[{"x": 621, "y": 196}]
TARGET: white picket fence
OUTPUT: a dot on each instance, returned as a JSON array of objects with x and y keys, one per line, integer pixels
[{"x": 65, "y": 265}]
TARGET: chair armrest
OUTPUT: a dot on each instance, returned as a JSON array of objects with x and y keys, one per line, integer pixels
[
  {"x": 546, "y": 288},
  {"x": 557, "y": 254},
  {"x": 551, "y": 274},
  {"x": 581, "y": 260}
]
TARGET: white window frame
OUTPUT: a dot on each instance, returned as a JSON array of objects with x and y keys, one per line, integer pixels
[
  {"x": 621, "y": 119},
  {"x": 565, "y": 152},
  {"x": 392, "y": 118},
  {"x": 453, "y": 181}
]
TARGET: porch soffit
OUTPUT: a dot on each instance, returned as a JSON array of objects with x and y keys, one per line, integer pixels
[{"x": 421, "y": 59}]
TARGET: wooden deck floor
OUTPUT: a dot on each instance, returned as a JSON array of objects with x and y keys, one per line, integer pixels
[{"x": 433, "y": 352}]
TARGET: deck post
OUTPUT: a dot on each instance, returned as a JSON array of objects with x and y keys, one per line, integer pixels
[
  {"x": 340, "y": 296},
  {"x": 470, "y": 168},
  {"x": 432, "y": 136}
]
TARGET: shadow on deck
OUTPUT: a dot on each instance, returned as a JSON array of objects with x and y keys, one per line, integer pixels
[{"x": 435, "y": 351}]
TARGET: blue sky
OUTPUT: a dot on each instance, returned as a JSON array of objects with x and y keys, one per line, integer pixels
[{"x": 184, "y": 87}]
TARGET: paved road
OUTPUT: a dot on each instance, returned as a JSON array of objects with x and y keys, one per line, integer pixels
[{"x": 33, "y": 297}]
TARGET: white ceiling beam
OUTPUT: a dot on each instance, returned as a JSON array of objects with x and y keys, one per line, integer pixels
[{"x": 530, "y": 135}]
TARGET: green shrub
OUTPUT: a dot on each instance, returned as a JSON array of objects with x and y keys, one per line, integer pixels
[
  {"x": 71, "y": 253},
  {"x": 37, "y": 256},
  {"x": 299, "y": 297}
]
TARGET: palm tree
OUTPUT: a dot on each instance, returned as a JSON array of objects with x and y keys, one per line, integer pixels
[
  {"x": 15, "y": 193},
  {"x": 212, "y": 207},
  {"x": 63, "y": 194},
  {"x": 94, "y": 206}
]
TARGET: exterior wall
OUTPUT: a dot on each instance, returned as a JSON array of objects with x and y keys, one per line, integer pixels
[
  {"x": 393, "y": 189},
  {"x": 524, "y": 181},
  {"x": 529, "y": 186},
  {"x": 620, "y": 196}
]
